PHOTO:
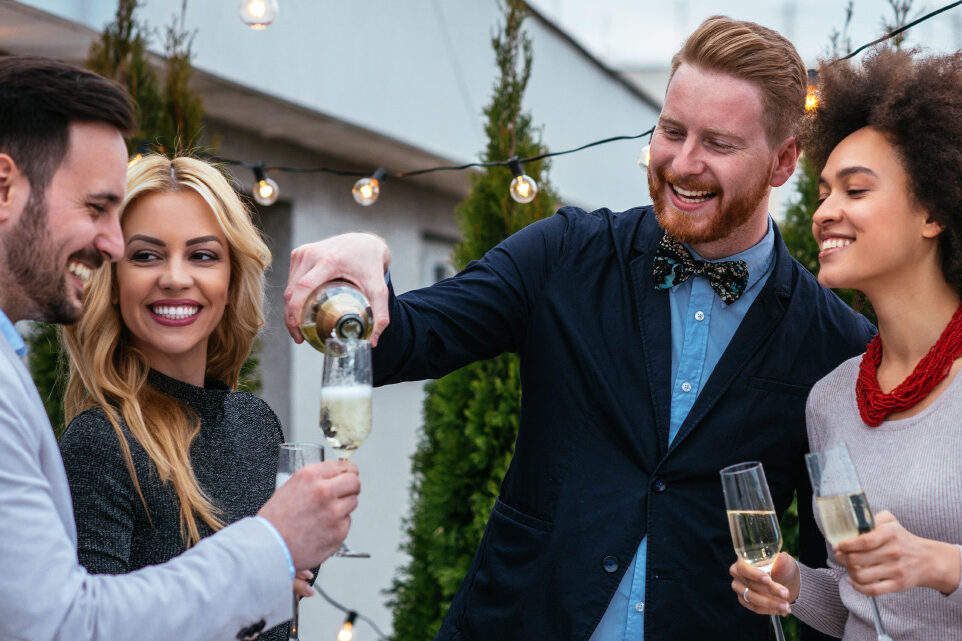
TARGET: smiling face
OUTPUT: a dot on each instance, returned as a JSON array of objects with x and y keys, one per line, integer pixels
[
  {"x": 51, "y": 248},
  {"x": 711, "y": 164},
  {"x": 173, "y": 281},
  {"x": 871, "y": 232}
]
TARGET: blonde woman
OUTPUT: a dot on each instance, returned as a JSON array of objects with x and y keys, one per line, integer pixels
[{"x": 161, "y": 450}]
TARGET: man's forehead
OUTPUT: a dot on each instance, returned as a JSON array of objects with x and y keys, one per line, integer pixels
[{"x": 97, "y": 156}]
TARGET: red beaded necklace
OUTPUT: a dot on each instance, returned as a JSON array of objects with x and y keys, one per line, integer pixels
[{"x": 874, "y": 405}]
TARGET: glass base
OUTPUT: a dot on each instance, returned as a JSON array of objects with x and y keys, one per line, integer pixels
[{"x": 348, "y": 553}]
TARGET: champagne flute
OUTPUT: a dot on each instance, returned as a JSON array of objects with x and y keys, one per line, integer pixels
[
  {"x": 841, "y": 504},
  {"x": 752, "y": 520},
  {"x": 290, "y": 458},
  {"x": 346, "y": 401}
]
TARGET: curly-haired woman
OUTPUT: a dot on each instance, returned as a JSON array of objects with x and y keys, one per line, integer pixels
[{"x": 887, "y": 140}]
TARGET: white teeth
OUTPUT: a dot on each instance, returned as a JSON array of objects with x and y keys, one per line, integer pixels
[
  {"x": 80, "y": 270},
  {"x": 689, "y": 195},
  {"x": 835, "y": 243},
  {"x": 175, "y": 312}
]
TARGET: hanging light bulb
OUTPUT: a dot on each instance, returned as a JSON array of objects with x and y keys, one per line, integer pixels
[
  {"x": 366, "y": 190},
  {"x": 346, "y": 633},
  {"x": 523, "y": 187},
  {"x": 143, "y": 148},
  {"x": 257, "y": 14},
  {"x": 811, "y": 95},
  {"x": 265, "y": 189},
  {"x": 644, "y": 158}
]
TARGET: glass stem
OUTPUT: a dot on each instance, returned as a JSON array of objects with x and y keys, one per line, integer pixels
[
  {"x": 293, "y": 636},
  {"x": 777, "y": 626},
  {"x": 877, "y": 618}
]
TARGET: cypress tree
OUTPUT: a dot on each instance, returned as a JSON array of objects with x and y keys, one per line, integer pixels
[{"x": 471, "y": 415}]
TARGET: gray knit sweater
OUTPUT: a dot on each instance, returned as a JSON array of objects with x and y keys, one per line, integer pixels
[
  {"x": 234, "y": 459},
  {"x": 911, "y": 467}
]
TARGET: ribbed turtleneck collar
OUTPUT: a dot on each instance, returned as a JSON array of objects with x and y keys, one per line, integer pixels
[{"x": 205, "y": 401}]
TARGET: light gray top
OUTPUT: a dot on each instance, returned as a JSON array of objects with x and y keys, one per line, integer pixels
[
  {"x": 224, "y": 583},
  {"x": 910, "y": 467}
]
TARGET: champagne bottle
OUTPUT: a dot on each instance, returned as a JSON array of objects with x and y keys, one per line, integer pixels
[{"x": 336, "y": 308}]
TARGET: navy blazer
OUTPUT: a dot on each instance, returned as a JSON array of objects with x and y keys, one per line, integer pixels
[{"x": 593, "y": 471}]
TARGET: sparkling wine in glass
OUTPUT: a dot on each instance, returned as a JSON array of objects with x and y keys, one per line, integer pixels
[
  {"x": 841, "y": 504},
  {"x": 290, "y": 458},
  {"x": 346, "y": 401},
  {"x": 752, "y": 520}
]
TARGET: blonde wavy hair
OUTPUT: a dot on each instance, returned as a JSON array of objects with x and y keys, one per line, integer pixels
[{"x": 107, "y": 372}]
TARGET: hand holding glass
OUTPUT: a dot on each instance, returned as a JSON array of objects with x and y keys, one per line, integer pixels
[
  {"x": 841, "y": 504},
  {"x": 752, "y": 520},
  {"x": 290, "y": 458},
  {"x": 346, "y": 401}
]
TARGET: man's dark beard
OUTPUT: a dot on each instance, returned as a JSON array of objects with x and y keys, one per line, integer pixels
[
  {"x": 31, "y": 259},
  {"x": 733, "y": 213}
]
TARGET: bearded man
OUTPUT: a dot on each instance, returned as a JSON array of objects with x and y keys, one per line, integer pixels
[{"x": 658, "y": 345}]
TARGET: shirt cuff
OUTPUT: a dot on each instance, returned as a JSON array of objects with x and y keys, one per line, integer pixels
[{"x": 280, "y": 539}]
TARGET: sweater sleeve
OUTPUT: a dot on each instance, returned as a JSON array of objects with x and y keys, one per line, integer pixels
[
  {"x": 819, "y": 603},
  {"x": 104, "y": 498}
]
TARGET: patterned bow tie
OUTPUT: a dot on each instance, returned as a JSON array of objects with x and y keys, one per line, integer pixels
[{"x": 674, "y": 265}]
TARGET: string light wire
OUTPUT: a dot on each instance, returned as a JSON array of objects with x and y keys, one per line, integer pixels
[
  {"x": 349, "y": 611},
  {"x": 514, "y": 161}
]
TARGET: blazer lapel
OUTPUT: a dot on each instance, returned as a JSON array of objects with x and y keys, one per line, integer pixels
[
  {"x": 761, "y": 320},
  {"x": 654, "y": 322}
]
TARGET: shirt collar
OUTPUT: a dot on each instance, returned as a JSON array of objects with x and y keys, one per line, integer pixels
[
  {"x": 13, "y": 337},
  {"x": 758, "y": 258}
]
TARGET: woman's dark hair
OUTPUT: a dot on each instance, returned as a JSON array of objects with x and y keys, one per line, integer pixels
[
  {"x": 39, "y": 99},
  {"x": 916, "y": 103}
]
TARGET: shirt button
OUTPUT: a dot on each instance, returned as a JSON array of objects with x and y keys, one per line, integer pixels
[
  {"x": 686, "y": 386},
  {"x": 640, "y": 606},
  {"x": 699, "y": 315},
  {"x": 610, "y": 564},
  {"x": 659, "y": 485}
]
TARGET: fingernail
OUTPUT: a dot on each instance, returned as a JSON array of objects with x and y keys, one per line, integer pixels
[
  {"x": 785, "y": 608},
  {"x": 310, "y": 591}
]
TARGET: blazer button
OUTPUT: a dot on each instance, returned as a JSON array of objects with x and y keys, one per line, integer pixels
[
  {"x": 610, "y": 564},
  {"x": 252, "y": 631},
  {"x": 659, "y": 485}
]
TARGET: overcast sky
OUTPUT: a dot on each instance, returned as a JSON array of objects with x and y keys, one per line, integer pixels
[{"x": 645, "y": 33}]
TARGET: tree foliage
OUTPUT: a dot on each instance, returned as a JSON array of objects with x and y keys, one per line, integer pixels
[{"x": 471, "y": 415}]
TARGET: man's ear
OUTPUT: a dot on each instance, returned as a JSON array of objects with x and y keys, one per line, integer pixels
[
  {"x": 786, "y": 157},
  {"x": 14, "y": 189}
]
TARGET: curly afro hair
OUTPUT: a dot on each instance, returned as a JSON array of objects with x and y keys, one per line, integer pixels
[{"x": 916, "y": 103}]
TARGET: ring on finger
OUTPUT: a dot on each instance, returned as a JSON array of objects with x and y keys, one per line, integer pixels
[{"x": 745, "y": 596}]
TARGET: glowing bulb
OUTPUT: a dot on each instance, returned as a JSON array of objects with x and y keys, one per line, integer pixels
[
  {"x": 523, "y": 188},
  {"x": 345, "y": 633},
  {"x": 644, "y": 158},
  {"x": 811, "y": 98},
  {"x": 265, "y": 189},
  {"x": 366, "y": 190},
  {"x": 812, "y": 95},
  {"x": 257, "y": 14},
  {"x": 143, "y": 148}
]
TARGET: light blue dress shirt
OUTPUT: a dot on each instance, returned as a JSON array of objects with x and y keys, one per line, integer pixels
[
  {"x": 13, "y": 337},
  {"x": 701, "y": 328}
]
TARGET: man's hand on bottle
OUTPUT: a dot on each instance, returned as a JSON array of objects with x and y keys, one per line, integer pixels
[{"x": 360, "y": 258}]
